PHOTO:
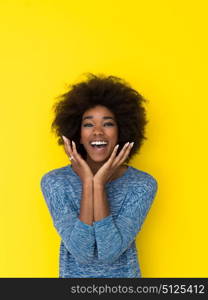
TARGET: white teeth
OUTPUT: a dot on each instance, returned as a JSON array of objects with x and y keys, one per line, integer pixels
[{"x": 99, "y": 143}]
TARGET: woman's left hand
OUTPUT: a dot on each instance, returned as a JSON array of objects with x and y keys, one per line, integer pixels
[{"x": 106, "y": 171}]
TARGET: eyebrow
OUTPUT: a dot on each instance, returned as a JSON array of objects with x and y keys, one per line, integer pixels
[{"x": 91, "y": 117}]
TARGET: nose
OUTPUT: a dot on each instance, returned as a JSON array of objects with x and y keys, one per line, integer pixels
[{"x": 97, "y": 130}]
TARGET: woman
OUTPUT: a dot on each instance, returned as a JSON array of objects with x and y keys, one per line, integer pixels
[{"x": 98, "y": 203}]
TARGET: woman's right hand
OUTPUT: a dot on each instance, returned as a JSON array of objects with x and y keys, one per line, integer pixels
[{"x": 78, "y": 163}]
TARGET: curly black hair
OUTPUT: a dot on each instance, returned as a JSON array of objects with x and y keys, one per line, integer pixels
[{"x": 110, "y": 91}]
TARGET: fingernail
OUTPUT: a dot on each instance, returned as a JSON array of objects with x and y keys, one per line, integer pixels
[
  {"x": 127, "y": 144},
  {"x": 132, "y": 144}
]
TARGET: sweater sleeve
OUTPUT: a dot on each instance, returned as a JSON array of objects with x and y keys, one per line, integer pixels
[
  {"x": 115, "y": 235},
  {"x": 78, "y": 237}
]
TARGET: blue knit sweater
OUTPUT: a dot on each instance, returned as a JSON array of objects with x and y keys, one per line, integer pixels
[{"x": 107, "y": 249}]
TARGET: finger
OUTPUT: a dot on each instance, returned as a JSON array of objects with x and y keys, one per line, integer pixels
[
  {"x": 75, "y": 153},
  {"x": 69, "y": 149},
  {"x": 123, "y": 153},
  {"x": 126, "y": 154},
  {"x": 113, "y": 155},
  {"x": 67, "y": 145},
  {"x": 120, "y": 155}
]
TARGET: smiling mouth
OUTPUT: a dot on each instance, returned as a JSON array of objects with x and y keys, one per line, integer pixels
[{"x": 99, "y": 148}]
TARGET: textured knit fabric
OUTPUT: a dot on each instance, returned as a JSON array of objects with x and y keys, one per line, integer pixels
[{"x": 107, "y": 249}]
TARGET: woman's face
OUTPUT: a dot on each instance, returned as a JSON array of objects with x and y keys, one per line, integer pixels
[{"x": 98, "y": 124}]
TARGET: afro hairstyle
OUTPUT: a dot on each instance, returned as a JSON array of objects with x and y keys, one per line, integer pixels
[{"x": 110, "y": 91}]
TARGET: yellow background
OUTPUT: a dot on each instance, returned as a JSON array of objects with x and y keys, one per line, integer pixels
[{"x": 160, "y": 48}]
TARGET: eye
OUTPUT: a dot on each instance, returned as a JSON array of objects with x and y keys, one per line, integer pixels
[
  {"x": 89, "y": 124},
  {"x": 109, "y": 124},
  {"x": 86, "y": 124}
]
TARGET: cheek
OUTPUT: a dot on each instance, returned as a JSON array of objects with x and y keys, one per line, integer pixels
[
  {"x": 114, "y": 133},
  {"x": 84, "y": 134}
]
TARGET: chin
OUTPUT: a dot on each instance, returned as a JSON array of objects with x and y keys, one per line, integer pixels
[{"x": 98, "y": 159}]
